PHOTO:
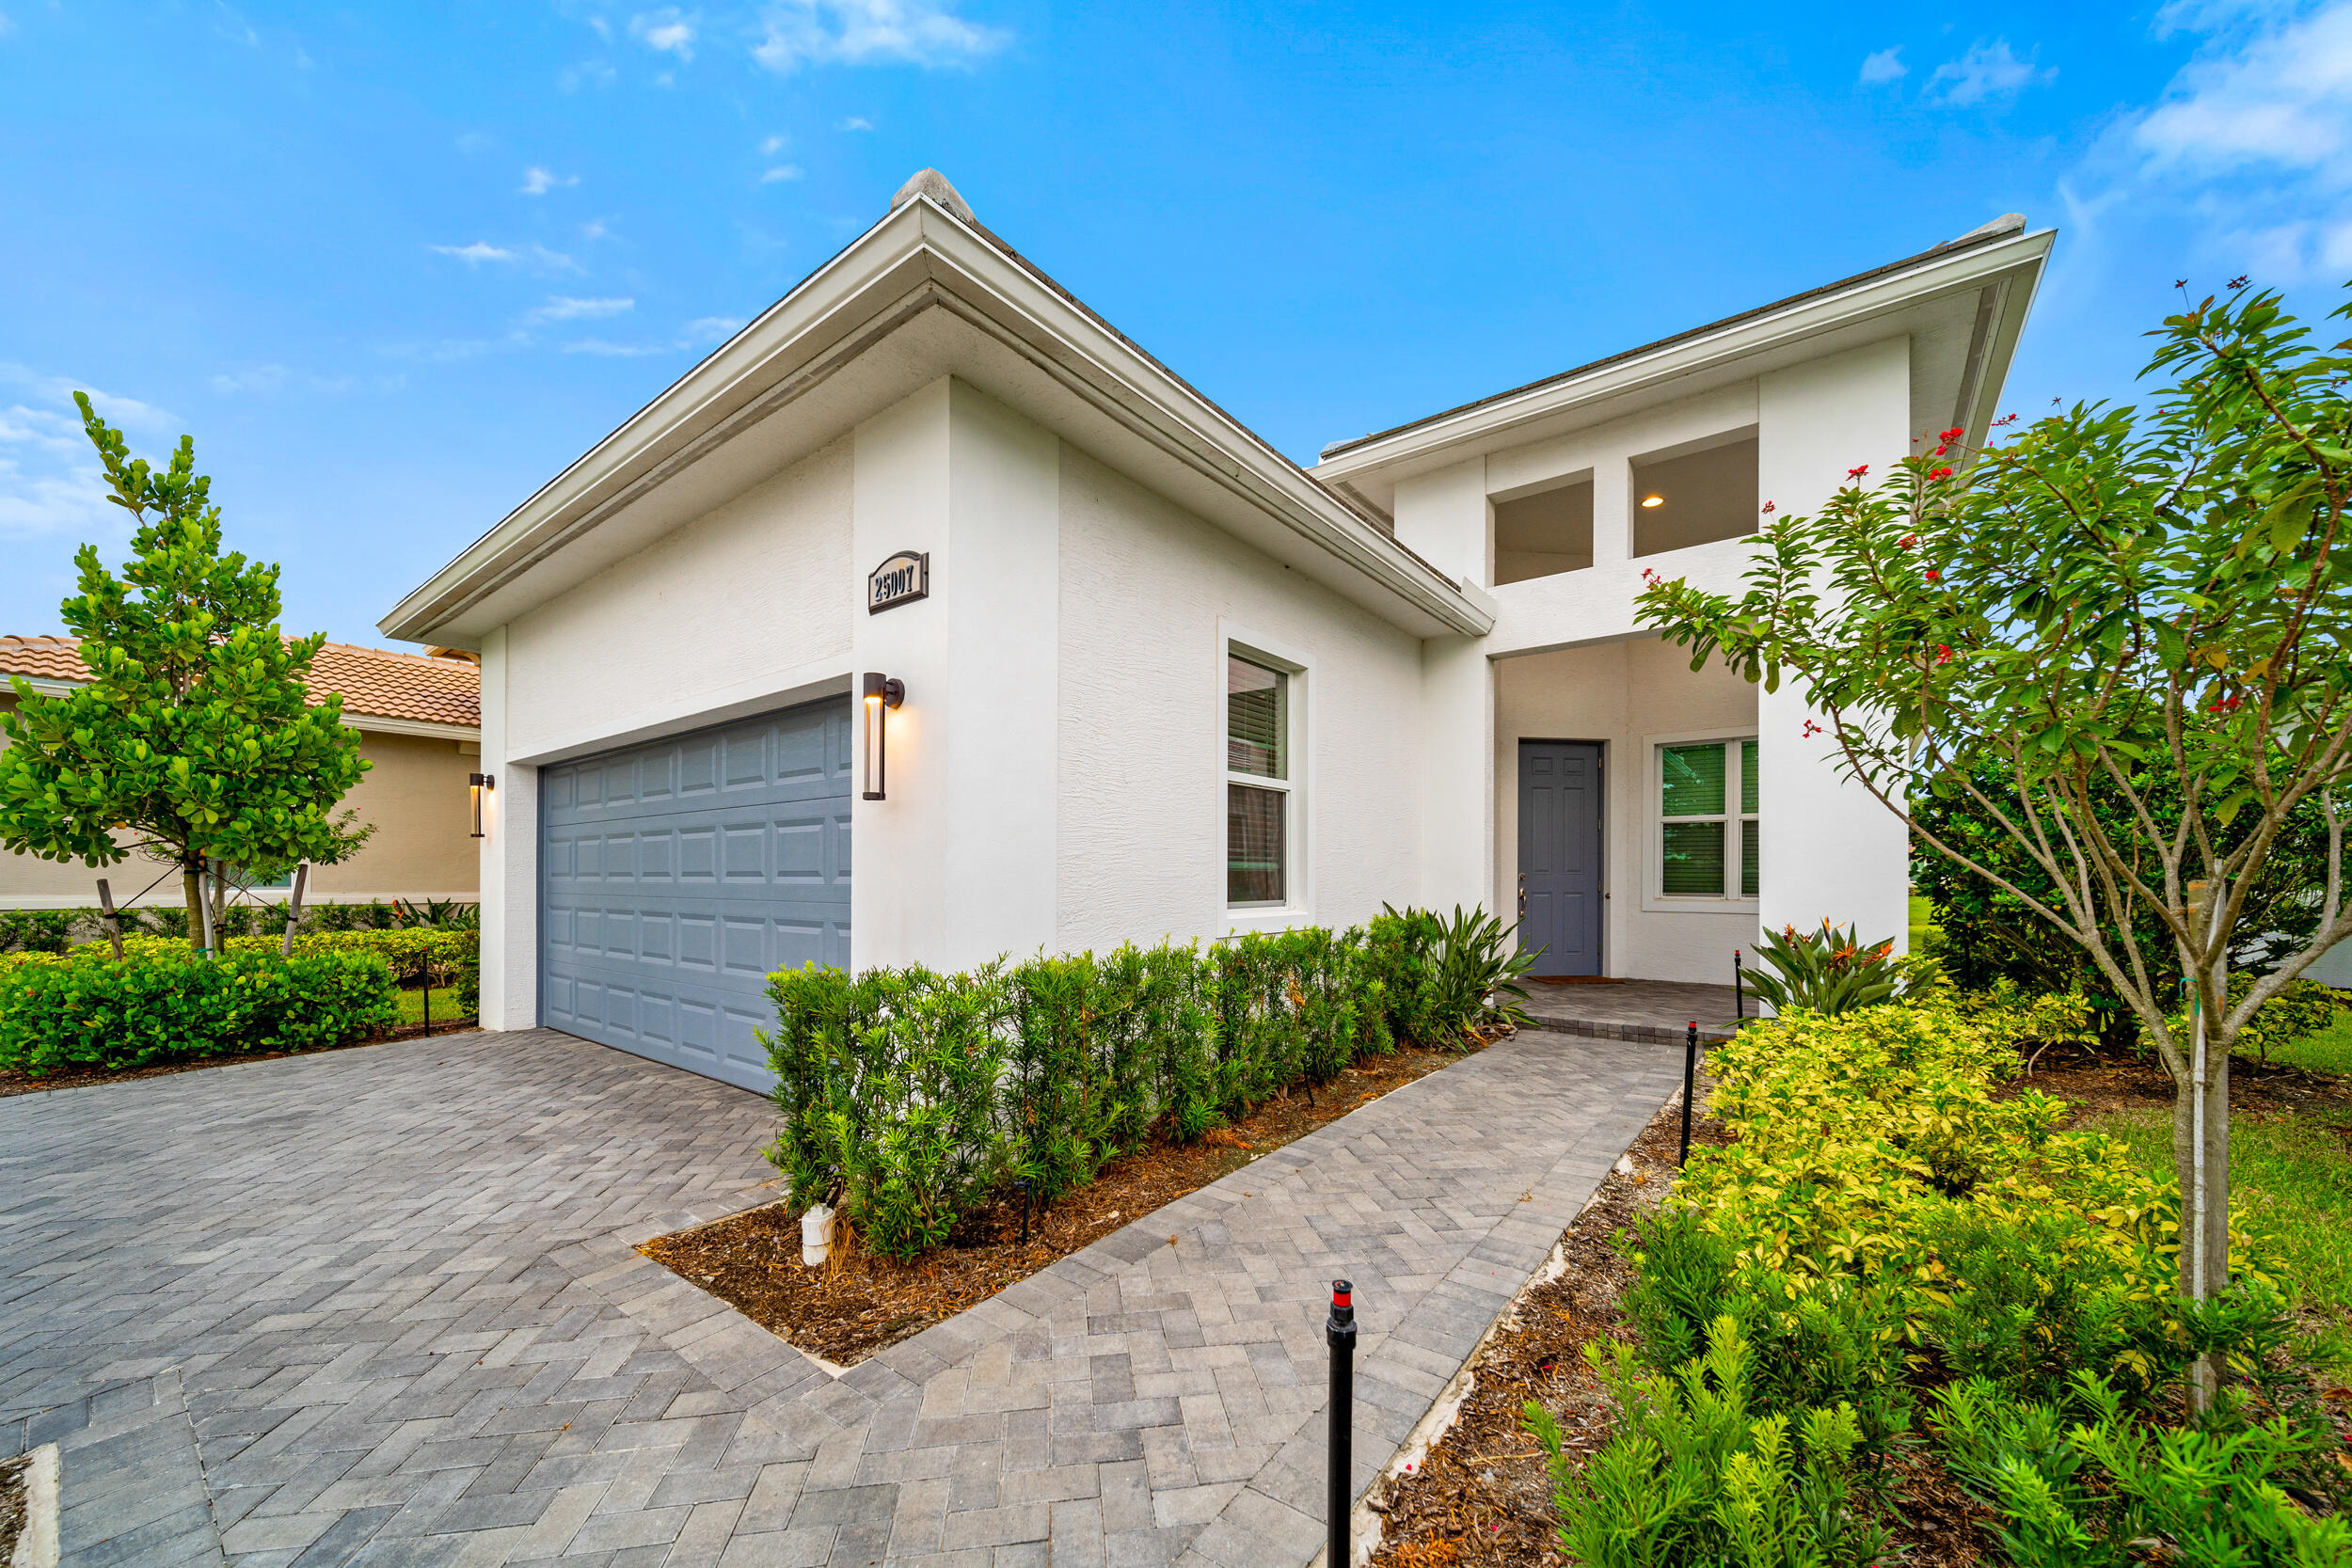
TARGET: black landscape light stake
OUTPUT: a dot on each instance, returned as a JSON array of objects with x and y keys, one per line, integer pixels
[
  {"x": 1340, "y": 1331},
  {"x": 1690, "y": 1075},
  {"x": 1738, "y": 988}
]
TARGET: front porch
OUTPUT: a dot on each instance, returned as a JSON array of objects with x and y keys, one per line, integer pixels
[{"x": 1650, "y": 1012}]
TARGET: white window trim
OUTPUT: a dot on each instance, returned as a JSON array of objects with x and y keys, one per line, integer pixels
[
  {"x": 1298, "y": 905},
  {"x": 1654, "y": 828}
]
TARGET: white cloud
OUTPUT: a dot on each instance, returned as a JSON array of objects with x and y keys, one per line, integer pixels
[
  {"x": 538, "y": 182},
  {"x": 699, "y": 333},
  {"x": 2280, "y": 100},
  {"x": 537, "y": 257},
  {"x": 593, "y": 229},
  {"x": 857, "y": 122},
  {"x": 772, "y": 146},
  {"x": 263, "y": 379},
  {"x": 1884, "y": 66},
  {"x": 475, "y": 254},
  {"x": 561, "y": 307},
  {"x": 856, "y": 32},
  {"x": 586, "y": 73},
  {"x": 667, "y": 31},
  {"x": 615, "y": 350},
  {"x": 711, "y": 329},
  {"x": 1988, "y": 73},
  {"x": 236, "y": 30},
  {"x": 782, "y": 171},
  {"x": 7, "y": 26},
  {"x": 51, "y": 483}
]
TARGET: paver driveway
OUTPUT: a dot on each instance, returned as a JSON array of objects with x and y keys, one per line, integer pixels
[{"x": 382, "y": 1307}]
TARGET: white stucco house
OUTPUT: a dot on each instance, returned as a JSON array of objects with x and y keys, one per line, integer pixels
[{"x": 1151, "y": 677}]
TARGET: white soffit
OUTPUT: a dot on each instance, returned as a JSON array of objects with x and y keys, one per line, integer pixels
[{"x": 919, "y": 296}]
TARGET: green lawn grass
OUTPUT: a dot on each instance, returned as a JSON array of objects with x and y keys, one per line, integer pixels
[
  {"x": 2328, "y": 1051},
  {"x": 445, "y": 1009},
  {"x": 2292, "y": 1178},
  {"x": 1922, "y": 922}
]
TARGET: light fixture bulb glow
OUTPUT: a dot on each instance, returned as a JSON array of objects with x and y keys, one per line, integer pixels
[{"x": 1653, "y": 501}]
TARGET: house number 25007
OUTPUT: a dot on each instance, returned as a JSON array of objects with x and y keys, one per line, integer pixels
[{"x": 901, "y": 579}]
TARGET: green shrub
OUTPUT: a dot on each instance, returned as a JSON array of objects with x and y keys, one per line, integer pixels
[
  {"x": 1401, "y": 948},
  {"x": 1825, "y": 971},
  {"x": 1066, "y": 1062},
  {"x": 2304, "y": 1007},
  {"x": 36, "y": 931},
  {"x": 1695, "y": 1476},
  {"x": 88, "y": 1011},
  {"x": 1478, "y": 966},
  {"x": 2090, "y": 1493}
]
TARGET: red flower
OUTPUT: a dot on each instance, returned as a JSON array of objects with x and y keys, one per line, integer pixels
[
  {"x": 2006, "y": 418},
  {"x": 1942, "y": 653},
  {"x": 1935, "y": 576},
  {"x": 1907, "y": 541},
  {"x": 1952, "y": 434},
  {"x": 1811, "y": 728},
  {"x": 1941, "y": 473},
  {"x": 2224, "y": 704},
  {"x": 1857, "y": 473},
  {"x": 1768, "y": 508},
  {"x": 1941, "y": 451}
]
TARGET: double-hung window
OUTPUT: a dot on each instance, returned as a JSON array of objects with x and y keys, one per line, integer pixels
[
  {"x": 1708, "y": 815},
  {"x": 1260, "y": 783}
]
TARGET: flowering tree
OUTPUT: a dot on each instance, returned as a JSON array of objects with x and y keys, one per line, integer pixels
[
  {"x": 194, "y": 741},
  {"x": 2120, "y": 637}
]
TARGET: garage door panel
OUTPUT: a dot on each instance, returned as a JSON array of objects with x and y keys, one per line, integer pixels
[{"x": 677, "y": 876}]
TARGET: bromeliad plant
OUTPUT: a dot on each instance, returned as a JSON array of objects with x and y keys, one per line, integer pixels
[
  {"x": 2118, "y": 636},
  {"x": 1826, "y": 970}
]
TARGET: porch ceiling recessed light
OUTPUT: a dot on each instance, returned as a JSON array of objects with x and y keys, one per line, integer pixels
[
  {"x": 881, "y": 694},
  {"x": 1653, "y": 501}
]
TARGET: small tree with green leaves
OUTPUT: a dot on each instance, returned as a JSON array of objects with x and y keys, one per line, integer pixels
[
  {"x": 193, "y": 742},
  {"x": 2121, "y": 637}
]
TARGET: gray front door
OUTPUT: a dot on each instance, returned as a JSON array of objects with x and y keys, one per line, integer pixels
[
  {"x": 1560, "y": 855},
  {"x": 676, "y": 875}
]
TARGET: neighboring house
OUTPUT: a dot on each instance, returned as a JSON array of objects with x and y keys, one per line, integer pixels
[
  {"x": 419, "y": 723},
  {"x": 1158, "y": 680}
]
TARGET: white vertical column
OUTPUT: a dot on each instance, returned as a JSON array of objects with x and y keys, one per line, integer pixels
[
  {"x": 1830, "y": 850},
  {"x": 958, "y": 863},
  {"x": 510, "y": 869},
  {"x": 1005, "y": 629},
  {"x": 1444, "y": 517}
]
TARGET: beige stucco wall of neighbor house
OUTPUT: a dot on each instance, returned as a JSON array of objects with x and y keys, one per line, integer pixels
[
  {"x": 415, "y": 794},
  {"x": 1148, "y": 593},
  {"x": 1632, "y": 696}
]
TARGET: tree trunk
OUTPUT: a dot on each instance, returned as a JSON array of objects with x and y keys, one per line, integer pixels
[
  {"x": 2210, "y": 1217},
  {"x": 192, "y": 888}
]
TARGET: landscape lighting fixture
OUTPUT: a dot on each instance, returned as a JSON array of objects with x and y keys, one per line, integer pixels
[
  {"x": 1653, "y": 501},
  {"x": 882, "y": 693},
  {"x": 479, "y": 785}
]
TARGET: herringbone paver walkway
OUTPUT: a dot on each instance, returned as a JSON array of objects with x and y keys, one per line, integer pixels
[{"x": 382, "y": 1307}]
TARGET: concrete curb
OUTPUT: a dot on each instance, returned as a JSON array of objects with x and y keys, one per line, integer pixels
[{"x": 37, "y": 1545}]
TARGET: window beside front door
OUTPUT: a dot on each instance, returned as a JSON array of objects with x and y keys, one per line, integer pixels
[
  {"x": 1260, "y": 790},
  {"x": 1708, "y": 811}
]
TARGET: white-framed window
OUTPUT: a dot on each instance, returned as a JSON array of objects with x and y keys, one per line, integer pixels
[
  {"x": 1265, "y": 712},
  {"x": 1705, "y": 809}
]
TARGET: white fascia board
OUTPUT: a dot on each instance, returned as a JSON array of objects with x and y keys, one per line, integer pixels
[
  {"x": 1489, "y": 425},
  {"x": 920, "y": 258}
]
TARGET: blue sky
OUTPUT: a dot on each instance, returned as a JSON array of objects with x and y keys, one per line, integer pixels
[{"x": 394, "y": 266}]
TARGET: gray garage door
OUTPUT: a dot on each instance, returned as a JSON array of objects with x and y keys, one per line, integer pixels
[{"x": 676, "y": 875}]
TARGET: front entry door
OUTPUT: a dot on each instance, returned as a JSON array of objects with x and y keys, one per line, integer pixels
[{"x": 1560, "y": 855}]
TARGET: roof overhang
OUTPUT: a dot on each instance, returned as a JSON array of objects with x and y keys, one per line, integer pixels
[
  {"x": 921, "y": 294},
  {"x": 2001, "y": 274}
]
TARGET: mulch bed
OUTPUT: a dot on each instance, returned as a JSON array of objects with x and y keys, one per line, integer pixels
[
  {"x": 16, "y": 1082},
  {"x": 2095, "y": 1080},
  {"x": 12, "y": 1474},
  {"x": 861, "y": 1303}
]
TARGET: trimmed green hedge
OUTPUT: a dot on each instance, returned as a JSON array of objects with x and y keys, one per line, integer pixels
[
  {"x": 88, "y": 1011},
  {"x": 907, "y": 1095}
]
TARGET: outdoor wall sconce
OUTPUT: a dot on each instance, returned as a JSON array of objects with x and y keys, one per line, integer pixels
[
  {"x": 881, "y": 693},
  {"x": 479, "y": 785},
  {"x": 1653, "y": 501}
]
